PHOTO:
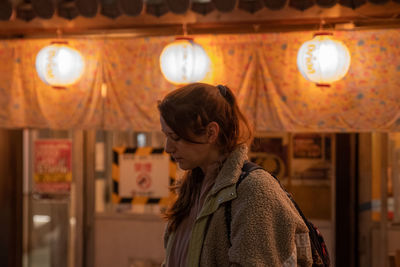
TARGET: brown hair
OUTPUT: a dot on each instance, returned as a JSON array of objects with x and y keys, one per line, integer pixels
[{"x": 187, "y": 111}]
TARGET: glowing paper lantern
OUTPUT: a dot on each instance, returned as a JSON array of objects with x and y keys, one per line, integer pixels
[
  {"x": 323, "y": 60},
  {"x": 184, "y": 61},
  {"x": 59, "y": 65}
]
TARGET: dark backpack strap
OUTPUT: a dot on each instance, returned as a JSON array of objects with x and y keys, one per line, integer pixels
[
  {"x": 248, "y": 167},
  {"x": 316, "y": 239}
]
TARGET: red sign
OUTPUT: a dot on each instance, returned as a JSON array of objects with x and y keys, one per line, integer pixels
[{"x": 53, "y": 165}]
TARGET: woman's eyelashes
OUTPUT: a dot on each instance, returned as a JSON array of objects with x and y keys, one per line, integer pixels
[
  {"x": 172, "y": 136},
  {"x": 175, "y": 137}
]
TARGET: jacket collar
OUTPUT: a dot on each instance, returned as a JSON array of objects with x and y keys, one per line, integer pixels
[{"x": 231, "y": 169}]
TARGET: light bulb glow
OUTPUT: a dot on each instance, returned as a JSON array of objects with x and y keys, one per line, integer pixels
[
  {"x": 323, "y": 60},
  {"x": 59, "y": 65},
  {"x": 184, "y": 61}
]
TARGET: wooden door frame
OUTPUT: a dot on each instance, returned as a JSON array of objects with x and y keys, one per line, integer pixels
[
  {"x": 346, "y": 250},
  {"x": 11, "y": 218}
]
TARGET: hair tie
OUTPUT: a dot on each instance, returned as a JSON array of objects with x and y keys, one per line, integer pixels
[{"x": 222, "y": 90}]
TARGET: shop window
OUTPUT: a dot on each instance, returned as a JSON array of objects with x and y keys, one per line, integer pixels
[
  {"x": 303, "y": 163},
  {"x": 132, "y": 172}
]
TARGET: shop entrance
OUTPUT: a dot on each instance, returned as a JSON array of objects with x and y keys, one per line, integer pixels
[{"x": 53, "y": 198}]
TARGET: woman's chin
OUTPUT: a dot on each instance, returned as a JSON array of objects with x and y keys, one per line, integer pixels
[{"x": 184, "y": 167}]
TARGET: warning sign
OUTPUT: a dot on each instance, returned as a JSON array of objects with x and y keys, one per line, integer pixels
[
  {"x": 143, "y": 172},
  {"x": 142, "y": 176}
]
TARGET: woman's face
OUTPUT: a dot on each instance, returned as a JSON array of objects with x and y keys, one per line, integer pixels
[{"x": 188, "y": 155}]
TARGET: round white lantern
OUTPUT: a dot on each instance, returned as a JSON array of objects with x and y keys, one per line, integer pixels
[
  {"x": 59, "y": 65},
  {"x": 323, "y": 60},
  {"x": 184, "y": 61}
]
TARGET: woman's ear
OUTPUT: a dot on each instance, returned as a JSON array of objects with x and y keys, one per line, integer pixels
[{"x": 212, "y": 132}]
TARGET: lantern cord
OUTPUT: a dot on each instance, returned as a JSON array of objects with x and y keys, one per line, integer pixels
[
  {"x": 184, "y": 29},
  {"x": 325, "y": 28},
  {"x": 256, "y": 27},
  {"x": 59, "y": 38},
  {"x": 59, "y": 33},
  {"x": 321, "y": 24},
  {"x": 320, "y": 29}
]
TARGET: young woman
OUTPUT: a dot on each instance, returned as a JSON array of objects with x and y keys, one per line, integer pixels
[{"x": 206, "y": 134}]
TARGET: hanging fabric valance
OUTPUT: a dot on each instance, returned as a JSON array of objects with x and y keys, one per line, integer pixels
[
  {"x": 260, "y": 68},
  {"x": 27, "y": 10}
]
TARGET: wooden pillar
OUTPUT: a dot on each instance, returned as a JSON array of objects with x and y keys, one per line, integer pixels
[
  {"x": 346, "y": 201},
  {"x": 88, "y": 195},
  {"x": 11, "y": 198},
  {"x": 77, "y": 201},
  {"x": 364, "y": 199},
  {"x": 384, "y": 195}
]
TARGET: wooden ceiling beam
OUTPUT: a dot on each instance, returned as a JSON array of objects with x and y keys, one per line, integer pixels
[{"x": 237, "y": 21}]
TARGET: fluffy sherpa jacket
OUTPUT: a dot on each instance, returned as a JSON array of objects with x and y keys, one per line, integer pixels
[{"x": 266, "y": 229}]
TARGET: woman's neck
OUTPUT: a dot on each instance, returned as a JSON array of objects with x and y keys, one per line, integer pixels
[{"x": 214, "y": 164}]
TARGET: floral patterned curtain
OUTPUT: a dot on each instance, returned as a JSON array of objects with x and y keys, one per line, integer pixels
[{"x": 260, "y": 68}]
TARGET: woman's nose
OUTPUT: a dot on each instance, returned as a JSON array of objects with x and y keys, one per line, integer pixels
[{"x": 169, "y": 147}]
